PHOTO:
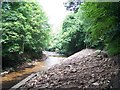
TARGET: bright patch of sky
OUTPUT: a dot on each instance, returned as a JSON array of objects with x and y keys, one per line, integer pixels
[{"x": 55, "y": 11}]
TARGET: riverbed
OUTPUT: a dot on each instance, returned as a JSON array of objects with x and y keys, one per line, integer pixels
[{"x": 13, "y": 78}]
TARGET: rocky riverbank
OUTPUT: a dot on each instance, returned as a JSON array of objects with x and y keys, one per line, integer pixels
[
  {"x": 85, "y": 69},
  {"x": 23, "y": 65}
]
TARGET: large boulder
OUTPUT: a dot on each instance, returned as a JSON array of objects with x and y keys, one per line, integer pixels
[{"x": 86, "y": 69}]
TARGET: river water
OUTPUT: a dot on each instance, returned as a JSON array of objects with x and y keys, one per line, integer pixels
[{"x": 13, "y": 78}]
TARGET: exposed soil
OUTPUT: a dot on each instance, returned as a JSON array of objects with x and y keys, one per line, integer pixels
[{"x": 86, "y": 69}]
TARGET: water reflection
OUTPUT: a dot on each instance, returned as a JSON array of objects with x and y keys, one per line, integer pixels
[{"x": 50, "y": 61}]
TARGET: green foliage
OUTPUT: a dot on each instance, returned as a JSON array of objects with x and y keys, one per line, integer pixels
[
  {"x": 113, "y": 41},
  {"x": 93, "y": 25},
  {"x": 101, "y": 21},
  {"x": 72, "y": 35},
  {"x": 25, "y": 31}
]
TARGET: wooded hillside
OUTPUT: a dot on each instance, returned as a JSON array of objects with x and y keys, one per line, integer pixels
[{"x": 25, "y": 32}]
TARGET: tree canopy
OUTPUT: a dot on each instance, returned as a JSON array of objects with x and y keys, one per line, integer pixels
[
  {"x": 93, "y": 25},
  {"x": 72, "y": 36},
  {"x": 25, "y": 31},
  {"x": 102, "y": 22}
]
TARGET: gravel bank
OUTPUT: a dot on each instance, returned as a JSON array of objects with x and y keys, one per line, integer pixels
[{"x": 86, "y": 69}]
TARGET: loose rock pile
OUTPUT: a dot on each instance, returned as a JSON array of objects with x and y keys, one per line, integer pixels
[{"x": 85, "y": 69}]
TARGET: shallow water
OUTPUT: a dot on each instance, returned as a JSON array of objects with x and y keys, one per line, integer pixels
[
  {"x": 50, "y": 61},
  {"x": 13, "y": 78}
]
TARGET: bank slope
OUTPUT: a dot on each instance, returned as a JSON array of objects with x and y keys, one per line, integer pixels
[{"x": 86, "y": 69}]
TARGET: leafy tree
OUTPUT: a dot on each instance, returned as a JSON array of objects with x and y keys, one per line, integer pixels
[
  {"x": 101, "y": 22},
  {"x": 25, "y": 31},
  {"x": 72, "y": 5},
  {"x": 72, "y": 36}
]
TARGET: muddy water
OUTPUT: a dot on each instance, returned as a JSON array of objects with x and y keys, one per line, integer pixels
[{"x": 13, "y": 78}]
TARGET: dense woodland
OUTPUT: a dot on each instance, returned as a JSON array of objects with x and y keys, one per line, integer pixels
[
  {"x": 92, "y": 25},
  {"x": 26, "y": 32}
]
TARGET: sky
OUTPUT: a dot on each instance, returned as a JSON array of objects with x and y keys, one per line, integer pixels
[{"x": 55, "y": 11}]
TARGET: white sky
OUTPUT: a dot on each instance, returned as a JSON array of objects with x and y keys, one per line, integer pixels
[{"x": 55, "y": 11}]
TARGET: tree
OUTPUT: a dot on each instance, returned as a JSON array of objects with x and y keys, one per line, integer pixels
[
  {"x": 72, "y": 5},
  {"x": 102, "y": 22},
  {"x": 25, "y": 31},
  {"x": 72, "y": 35}
]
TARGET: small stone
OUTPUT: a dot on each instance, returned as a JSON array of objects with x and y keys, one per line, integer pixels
[
  {"x": 96, "y": 84},
  {"x": 99, "y": 56},
  {"x": 92, "y": 80},
  {"x": 93, "y": 75},
  {"x": 79, "y": 71},
  {"x": 73, "y": 71}
]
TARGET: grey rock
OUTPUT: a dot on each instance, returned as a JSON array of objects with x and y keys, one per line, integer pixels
[
  {"x": 88, "y": 68},
  {"x": 96, "y": 83}
]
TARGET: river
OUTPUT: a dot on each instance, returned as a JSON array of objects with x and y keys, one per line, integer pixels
[{"x": 13, "y": 78}]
